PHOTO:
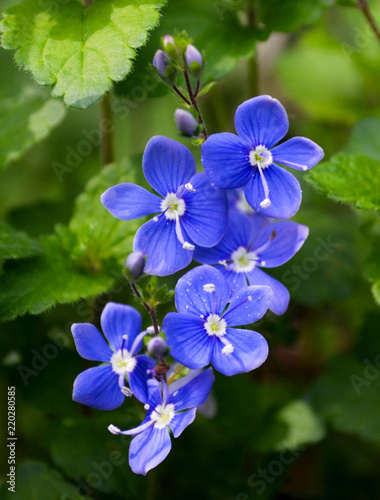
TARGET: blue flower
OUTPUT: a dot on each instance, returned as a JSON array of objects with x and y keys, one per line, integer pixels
[
  {"x": 238, "y": 203},
  {"x": 202, "y": 331},
  {"x": 166, "y": 410},
  {"x": 190, "y": 210},
  {"x": 104, "y": 387},
  {"x": 250, "y": 159},
  {"x": 243, "y": 250}
]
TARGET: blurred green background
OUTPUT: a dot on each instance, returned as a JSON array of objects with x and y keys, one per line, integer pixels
[{"x": 305, "y": 425}]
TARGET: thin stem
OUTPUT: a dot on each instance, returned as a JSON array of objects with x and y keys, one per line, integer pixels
[
  {"x": 197, "y": 88},
  {"x": 176, "y": 372},
  {"x": 151, "y": 310},
  {"x": 107, "y": 128},
  {"x": 195, "y": 104},
  {"x": 363, "y": 6},
  {"x": 181, "y": 95}
]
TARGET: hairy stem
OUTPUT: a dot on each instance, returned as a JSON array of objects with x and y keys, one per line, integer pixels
[
  {"x": 363, "y": 6},
  {"x": 151, "y": 310},
  {"x": 195, "y": 104}
]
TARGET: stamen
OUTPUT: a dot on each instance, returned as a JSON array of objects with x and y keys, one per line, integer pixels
[
  {"x": 228, "y": 347},
  {"x": 146, "y": 407},
  {"x": 188, "y": 246},
  {"x": 137, "y": 341},
  {"x": 178, "y": 231},
  {"x": 223, "y": 263},
  {"x": 266, "y": 202},
  {"x": 190, "y": 187},
  {"x": 127, "y": 392},
  {"x": 150, "y": 330},
  {"x": 113, "y": 429},
  {"x": 209, "y": 287}
]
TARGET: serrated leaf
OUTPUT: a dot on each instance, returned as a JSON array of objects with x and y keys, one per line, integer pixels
[
  {"x": 293, "y": 426},
  {"x": 346, "y": 396},
  {"x": 78, "y": 50},
  {"x": 99, "y": 235},
  {"x": 16, "y": 244},
  {"x": 35, "y": 286},
  {"x": 25, "y": 120},
  {"x": 36, "y": 481},
  {"x": 350, "y": 179}
]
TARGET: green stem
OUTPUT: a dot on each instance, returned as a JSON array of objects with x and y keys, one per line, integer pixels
[
  {"x": 363, "y": 6},
  {"x": 107, "y": 129},
  {"x": 151, "y": 310},
  {"x": 195, "y": 104}
]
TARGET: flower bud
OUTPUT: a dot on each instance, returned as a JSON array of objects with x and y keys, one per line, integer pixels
[
  {"x": 161, "y": 62},
  {"x": 156, "y": 347},
  {"x": 170, "y": 47},
  {"x": 135, "y": 264},
  {"x": 194, "y": 61},
  {"x": 186, "y": 123}
]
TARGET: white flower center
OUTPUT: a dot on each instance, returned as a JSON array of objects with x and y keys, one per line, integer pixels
[
  {"x": 215, "y": 325},
  {"x": 173, "y": 206},
  {"x": 243, "y": 261},
  {"x": 162, "y": 416},
  {"x": 260, "y": 156},
  {"x": 123, "y": 362}
]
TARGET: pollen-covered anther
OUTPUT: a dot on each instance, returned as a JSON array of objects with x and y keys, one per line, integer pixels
[
  {"x": 188, "y": 246},
  {"x": 146, "y": 407},
  {"x": 265, "y": 203},
  {"x": 150, "y": 330},
  {"x": 125, "y": 337},
  {"x": 223, "y": 263},
  {"x": 113, "y": 429},
  {"x": 127, "y": 392},
  {"x": 228, "y": 349},
  {"x": 190, "y": 187},
  {"x": 209, "y": 287}
]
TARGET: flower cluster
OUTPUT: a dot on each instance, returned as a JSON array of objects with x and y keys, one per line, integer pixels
[{"x": 221, "y": 218}]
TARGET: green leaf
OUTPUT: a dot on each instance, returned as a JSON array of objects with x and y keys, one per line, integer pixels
[
  {"x": 78, "y": 50},
  {"x": 349, "y": 178},
  {"x": 84, "y": 258},
  {"x": 36, "y": 481},
  {"x": 290, "y": 15},
  {"x": 35, "y": 286},
  {"x": 293, "y": 426},
  {"x": 206, "y": 89},
  {"x": 365, "y": 138},
  {"x": 346, "y": 396},
  {"x": 16, "y": 244},
  {"x": 25, "y": 120}
]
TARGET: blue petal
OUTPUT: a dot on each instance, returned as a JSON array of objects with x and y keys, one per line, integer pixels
[
  {"x": 181, "y": 421},
  {"x": 238, "y": 234},
  {"x": 127, "y": 201},
  {"x": 158, "y": 240},
  {"x": 225, "y": 158},
  {"x": 167, "y": 164},
  {"x": 154, "y": 391},
  {"x": 299, "y": 153},
  {"x": 284, "y": 193},
  {"x": 250, "y": 351},
  {"x": 206, "y": 216},
  {"x": 261, "y": 121},
  {"x": 118, "y": 320},
  {"x": 289, "y": 238},
  {"x": 236, "y": 281},
  {"x": 280, "y": 298},
  {"x": 99, "y": 388},
  {"x": 138, "y": 377},
  {"x": 194, "y": 393},
  {"x": 89, "y": 342},
  {"x": 191, "y": 298},
  {"x": 248, "y": 305},
  {"x": 149, "y": 449},
  {"x": 188, "y": 340}
]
